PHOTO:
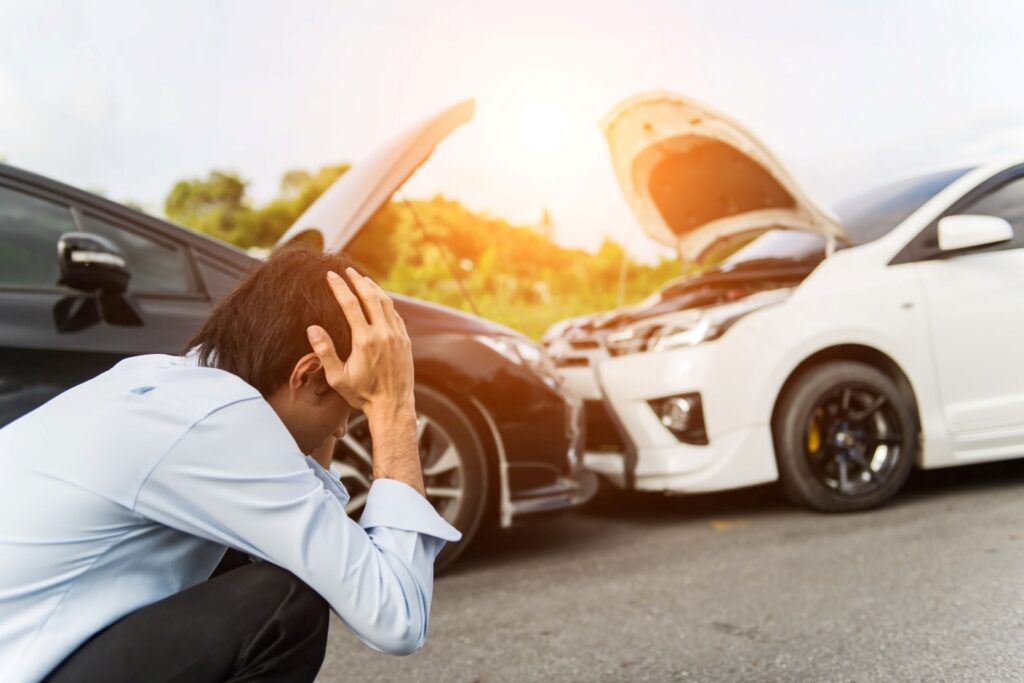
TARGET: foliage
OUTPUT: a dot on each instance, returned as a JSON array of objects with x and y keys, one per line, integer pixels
[
  {"x": 218, "y": 205},
  {"x": 513, "y": 274}
]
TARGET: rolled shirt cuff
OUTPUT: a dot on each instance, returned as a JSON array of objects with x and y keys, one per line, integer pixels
[{"x": 395, "y": 505}]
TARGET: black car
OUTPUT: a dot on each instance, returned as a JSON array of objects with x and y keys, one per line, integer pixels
[{"x": 500, "y": 438}]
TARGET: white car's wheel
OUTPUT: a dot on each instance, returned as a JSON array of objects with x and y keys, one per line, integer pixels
[
  {"x": 846, "y": 437},
  {"x": 454, "y": 469}
]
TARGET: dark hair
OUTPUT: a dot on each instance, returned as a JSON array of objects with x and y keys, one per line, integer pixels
[{"x": 258, "y": 331}]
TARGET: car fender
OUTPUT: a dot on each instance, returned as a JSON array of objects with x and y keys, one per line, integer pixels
[{"x": 877, "y": 308}]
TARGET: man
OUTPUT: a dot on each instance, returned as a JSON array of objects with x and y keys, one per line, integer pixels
[{"x": 119, "y": 497}]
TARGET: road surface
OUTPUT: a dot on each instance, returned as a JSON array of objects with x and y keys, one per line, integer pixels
[{"x": 734, "y": 587}]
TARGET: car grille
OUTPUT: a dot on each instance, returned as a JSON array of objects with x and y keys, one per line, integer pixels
[
  {"x": 574, "y": 352},
  {"x": 582, "y": 351}
]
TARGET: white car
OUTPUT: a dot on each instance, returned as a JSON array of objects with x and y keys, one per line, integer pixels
[{"x": 832, "y": 352}]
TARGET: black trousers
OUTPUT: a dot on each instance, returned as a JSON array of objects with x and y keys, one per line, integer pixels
[{"x": 254, "y": 622}]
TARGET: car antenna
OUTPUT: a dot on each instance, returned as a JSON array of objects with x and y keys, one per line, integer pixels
[{"x": 444, "y": 255}]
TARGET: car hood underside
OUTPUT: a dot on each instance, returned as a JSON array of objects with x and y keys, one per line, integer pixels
[{"x": 697, "y": 181}]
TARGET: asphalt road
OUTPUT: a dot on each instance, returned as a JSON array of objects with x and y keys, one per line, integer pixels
[{"x": 735, "y": 587}]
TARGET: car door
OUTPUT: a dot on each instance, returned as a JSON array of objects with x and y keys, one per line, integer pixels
[
  {"x": 37, "y": 359},
  {"x": 975, "y": 302}
]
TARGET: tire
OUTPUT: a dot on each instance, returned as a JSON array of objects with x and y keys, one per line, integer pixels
[
  {"x": 454, "y": 466},
  {"x": 846, "y": 437}
]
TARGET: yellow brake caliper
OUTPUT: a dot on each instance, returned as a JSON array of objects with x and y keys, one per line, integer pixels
[{"x": 814, "y": 432}]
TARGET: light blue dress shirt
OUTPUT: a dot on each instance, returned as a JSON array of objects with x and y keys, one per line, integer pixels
[{"x": 128, "y": 488}]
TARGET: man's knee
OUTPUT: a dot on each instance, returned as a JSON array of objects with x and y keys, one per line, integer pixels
[
  {"x": 299, "y": 610},
  {"x": 256, "y": 618},
  {"x": 273, "y": 581}
]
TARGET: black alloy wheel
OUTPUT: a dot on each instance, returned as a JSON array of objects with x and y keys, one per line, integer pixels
[
  {"x": 846, "y": 437},
  {"x": 454, "y": 469}
]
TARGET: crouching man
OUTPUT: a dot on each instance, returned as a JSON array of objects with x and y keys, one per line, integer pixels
[{"x": 119, "y": 497}]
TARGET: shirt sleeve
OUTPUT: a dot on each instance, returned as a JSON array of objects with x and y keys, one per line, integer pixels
[
  {"x": 330, "y": 481},
  {"x": 237, "y": 478}
]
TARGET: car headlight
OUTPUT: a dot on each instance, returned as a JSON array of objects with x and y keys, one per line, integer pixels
[
  {"x": 689, "y": 328},
  {"x": 524, "y": 352},
  {"x": 712, "y": 322},
  {"x": 676, "y": 336}
]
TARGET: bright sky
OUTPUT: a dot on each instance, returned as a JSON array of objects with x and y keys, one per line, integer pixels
[{"x": 130, "y": 96}]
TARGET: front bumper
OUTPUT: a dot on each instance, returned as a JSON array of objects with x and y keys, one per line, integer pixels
[
  {"x": 532, "y": 488},
  {"x": 639, "y": 452},
  {"x": 566, "y": 490}
]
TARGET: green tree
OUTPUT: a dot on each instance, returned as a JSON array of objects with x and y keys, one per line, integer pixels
[
  {"x": 216, "y": 205},
  {"x": 219, "y": 205},
  {"x": 436, "y": 249}
]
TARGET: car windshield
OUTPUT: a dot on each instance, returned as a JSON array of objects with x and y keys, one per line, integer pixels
[
  {"x": 872, "y": 214},
  {"x": 865, "y": 216}
]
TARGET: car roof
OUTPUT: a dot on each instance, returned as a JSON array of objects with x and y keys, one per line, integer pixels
[{"x": 24, "y": 179}]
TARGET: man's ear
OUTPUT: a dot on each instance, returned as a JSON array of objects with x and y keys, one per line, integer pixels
[{"x": 304, "y": 373}]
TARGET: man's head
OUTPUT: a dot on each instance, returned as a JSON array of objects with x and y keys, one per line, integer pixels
[{"x": 258, "y": 332}]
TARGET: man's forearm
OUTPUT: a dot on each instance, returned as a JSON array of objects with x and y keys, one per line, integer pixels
[{"x": 395, "y": 448}]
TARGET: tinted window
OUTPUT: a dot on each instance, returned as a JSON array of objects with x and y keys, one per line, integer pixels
[
  {"x": 865, "y": 217},
  {"x": 217, "y": 281},
  {"x": 157, "y": 267},
  {"x": 872, "y": 214},
  {"x": 1005, "y": 202},
  {"x": 29, "y": 230}
]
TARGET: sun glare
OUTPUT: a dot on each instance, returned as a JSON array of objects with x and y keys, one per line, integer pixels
[{"x": 541, "y": 124}]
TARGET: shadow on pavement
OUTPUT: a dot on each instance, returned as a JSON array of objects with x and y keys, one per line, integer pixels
[
  {"x": 659, "y": 508},
  {"x": 613, "y": 512},
  {"x": 929, "y": 484}
]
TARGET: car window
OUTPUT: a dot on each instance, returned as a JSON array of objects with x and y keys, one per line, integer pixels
[
  {"x": 1006, "y": 201},
  {"x": 29, "y": 230},
  {"x": 217, "y": 281},
  {"x": 157, "y": 267},
  {"x": 865, "y": 218}
]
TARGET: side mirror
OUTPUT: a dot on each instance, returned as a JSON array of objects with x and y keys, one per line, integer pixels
[
  {"x": 966, "y": 231},
  {"x": 89, "y": 262}
]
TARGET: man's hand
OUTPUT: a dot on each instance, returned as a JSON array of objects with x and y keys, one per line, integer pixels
[
  {"x": 379, "y": 373},
  {"x": 377, "y": 377}
]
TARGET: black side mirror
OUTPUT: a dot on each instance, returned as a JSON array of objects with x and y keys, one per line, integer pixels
[{"x": 89, "y": 263}]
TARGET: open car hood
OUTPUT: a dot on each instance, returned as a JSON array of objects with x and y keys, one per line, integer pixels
[
  {"x": 342, "y": 210},
  {"x": 696, "y": 180}
]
